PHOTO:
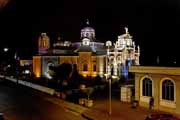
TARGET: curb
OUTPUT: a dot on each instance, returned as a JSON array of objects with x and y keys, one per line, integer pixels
[
  {"x": 72, "y": 107},
  {"x": 67, "y": 105},
  {"x": 86, "y": 117}
]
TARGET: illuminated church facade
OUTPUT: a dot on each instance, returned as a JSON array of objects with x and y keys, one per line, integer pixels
[
  {"x": 122, "y": 54},
  {"x": 91, "y": 57}
]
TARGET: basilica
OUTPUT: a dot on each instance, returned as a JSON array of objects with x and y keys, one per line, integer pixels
[{"x": 91, "y": 57}]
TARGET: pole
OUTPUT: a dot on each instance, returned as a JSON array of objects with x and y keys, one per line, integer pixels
[
  {"x": 16, "y": 66},
  {"x": 17, "y": 71},
  {"x": 110, "y": 107}
]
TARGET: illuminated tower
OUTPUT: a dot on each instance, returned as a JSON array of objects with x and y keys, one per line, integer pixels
[{"x": 43, "y": 43}]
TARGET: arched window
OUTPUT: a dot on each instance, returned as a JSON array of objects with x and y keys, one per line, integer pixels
[
  {"x": 168, "y": 90},
  {"x": 147, "y": 87},
  {"x": 85, "y": 68}
]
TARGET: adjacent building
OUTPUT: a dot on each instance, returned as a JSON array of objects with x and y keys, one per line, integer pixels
[{"x": 161, "y": 83}]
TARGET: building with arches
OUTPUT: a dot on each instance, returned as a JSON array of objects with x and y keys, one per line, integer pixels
[
  {"x": 88, "y": 54},
  {"x": 161, "y": 83},
  {"x": 91, "y": 56}
]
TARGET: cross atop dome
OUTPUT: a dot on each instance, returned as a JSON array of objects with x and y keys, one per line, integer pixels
[{"x": 87, "y": 21}]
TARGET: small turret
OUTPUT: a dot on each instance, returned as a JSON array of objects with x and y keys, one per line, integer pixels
[{"x": 43, "y": 43}]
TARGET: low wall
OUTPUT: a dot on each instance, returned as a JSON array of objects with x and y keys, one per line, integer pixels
[{"x": 31, "y": 85}]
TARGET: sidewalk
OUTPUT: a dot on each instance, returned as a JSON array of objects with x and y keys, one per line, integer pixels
[
  {"x": 67, "y": 105},
  {"x": 120, "y": 111}
]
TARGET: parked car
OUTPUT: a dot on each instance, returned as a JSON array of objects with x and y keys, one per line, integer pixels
[{"x": 161, "y": 117}]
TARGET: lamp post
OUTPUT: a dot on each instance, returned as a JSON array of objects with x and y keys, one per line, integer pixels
[
  {"x": 16, "y": 58},
  {"x": 11, "y": 60},
  {"x": 5, "y": 61},
  {"x": 110, "y": 106},
  {"x": 108, "y": 74},
  {"x": 108, "y": 77}
]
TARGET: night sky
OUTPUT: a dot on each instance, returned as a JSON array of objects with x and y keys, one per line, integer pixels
[{"x": 154, "y": 24}]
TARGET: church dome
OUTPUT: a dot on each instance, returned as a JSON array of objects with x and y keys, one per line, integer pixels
[
  {"x": 87, "y": 29},
  {"x": 88, "y": 32}
]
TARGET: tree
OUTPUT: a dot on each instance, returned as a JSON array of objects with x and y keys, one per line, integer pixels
[
  {"x": 61, "y": 74},
  {"x": 65, "y": 71},
  {"x": 74, "y": 79},
  {"x": 98, "y": 80}
]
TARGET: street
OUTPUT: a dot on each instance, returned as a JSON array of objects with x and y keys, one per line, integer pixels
[{"x": 21, "y": 103}]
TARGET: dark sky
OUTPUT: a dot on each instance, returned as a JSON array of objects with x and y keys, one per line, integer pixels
[{"x": 154, "y": 24}]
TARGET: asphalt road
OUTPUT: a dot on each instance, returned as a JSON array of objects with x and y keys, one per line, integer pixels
[{"x": 21, "y": 103}]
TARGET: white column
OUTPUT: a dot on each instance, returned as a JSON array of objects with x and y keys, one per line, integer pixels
[
  {"x": 115, "y": 66},
  {"x": 115, "y": 69},
  {"x": 109, "y": 70}
]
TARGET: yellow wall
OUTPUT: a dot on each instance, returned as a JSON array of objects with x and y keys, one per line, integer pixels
[
  {"x": 100, "y": 65},
  {"x": 37, "y": 66},
  {"x": 68, "y": 59},
  {"x": 23, "y": 62},
  {"x": 83, "y": 58},
  {"x": 87, "y": 58},
  {"x": 157, "y": 75}
]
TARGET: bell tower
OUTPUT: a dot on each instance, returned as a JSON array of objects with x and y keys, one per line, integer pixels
[{"x": 43, "y": 43}]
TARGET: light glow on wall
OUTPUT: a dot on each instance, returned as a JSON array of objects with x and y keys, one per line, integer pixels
[
  {"x": 48, "y": 75},
  {"x": 37, "y": 74},
  {"x": 88, "y": 73},
  {"x": 94, "y": 74},
  {"x": 84, "y": 74},
  {"x": 26, "y": 71},
  {"x": 101, "y": 66},
  {"x": 37, "y": 66}
]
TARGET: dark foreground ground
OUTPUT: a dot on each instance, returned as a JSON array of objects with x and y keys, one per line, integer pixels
[{"x": 21, "y": 103}]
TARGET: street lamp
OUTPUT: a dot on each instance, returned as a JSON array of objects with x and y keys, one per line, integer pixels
[
  {"x": 5, "y": 61},
  {"x": 108, "y": 75},
  {"x": 109, "y": 78},
  {"x": 6, "y": 49}
]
